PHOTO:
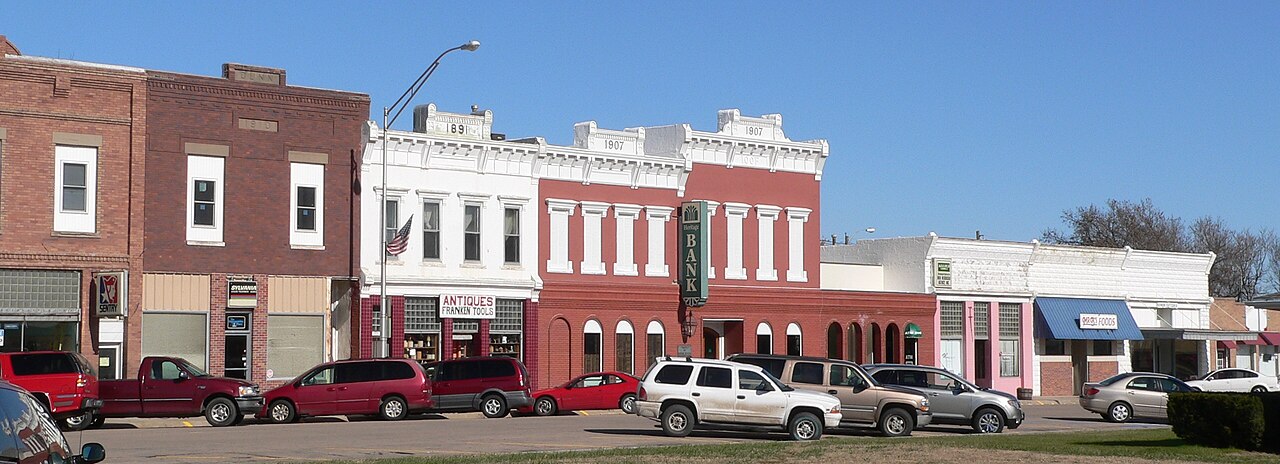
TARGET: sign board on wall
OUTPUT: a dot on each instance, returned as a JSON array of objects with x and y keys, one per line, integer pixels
[
  {"x": 468, "y": 306},
  {"x": 242, "y": 294},
  {"x": 1099, "y": 321},
  {"x": 941, "y": 273},
  {"x": 693, "y": 253},
  {"x": 110, "y": 293}
]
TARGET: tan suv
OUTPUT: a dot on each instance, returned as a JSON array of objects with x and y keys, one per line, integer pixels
[{"x": 895, "y": 411}]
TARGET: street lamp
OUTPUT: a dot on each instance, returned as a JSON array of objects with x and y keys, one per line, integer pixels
[{"x": 400, "y": 104}]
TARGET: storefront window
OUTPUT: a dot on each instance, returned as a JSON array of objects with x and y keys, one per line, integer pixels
[
  {"x": 655, "y": 342},
  {"x": 591, "y": 347},
  {"x": 1055, "y": 347},
  {"x": 794, "y": 342},
  {"x": 1103, "y": 348},
  {"x": 623, "y": 339},
  {"x": 1010, "y": 333},
  {"x": 36, "y": 336},
  {"x": 421, "y": 329},
  {"x": 506, "y": 330}
]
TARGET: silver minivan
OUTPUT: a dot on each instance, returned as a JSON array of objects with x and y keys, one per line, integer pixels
[{"x": 952, "y": 399}]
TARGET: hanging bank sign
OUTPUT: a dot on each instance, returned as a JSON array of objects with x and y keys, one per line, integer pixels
[
  {"x": 468, "y": 307},
  {"x": 111, "y": 295},
  {"x": 693, "y": 253}
]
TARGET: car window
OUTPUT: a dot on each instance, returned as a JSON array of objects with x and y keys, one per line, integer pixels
[
  {"x": 807, "y": 372},
  {"x": 1169, "y": 385},
  {"x": 887, "y": 377},
  {"x": 674, "y": 374},
  {"x": 459, "y": 370},
  {"x": 845, "y": 376},
  {"x": 611, "y": 379},
  {"x": 44, "y": 364},
  {"x": 943, "y": 381},
  {"x": 748, "y": 380},
  {"x": 774, "y": 366},
  {"x": 356, "y": 372},
  {"x": 913, "y": 379},
  {"x": 1246, "y": 374},
  {"x": 320, "y": 377},
  {"x": 1112, "y": 379},
  {"x": 396, "y": 370},
  {"x": 589, "y": 381},
  {"x": 715, "y": 377},
  {"x": 1143, "y": 383},
  {"x": 164, "y": 370},
  {"x": 495, "y": 368}
]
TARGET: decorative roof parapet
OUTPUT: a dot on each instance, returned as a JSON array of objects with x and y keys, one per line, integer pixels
[
  {"x": 615, "y": 157},
  {"x": 475, "y": 126},
  {"x": 746, "y": 141}
]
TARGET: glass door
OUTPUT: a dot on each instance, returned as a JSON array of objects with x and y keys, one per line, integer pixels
[{"x": 238, "y": 352}]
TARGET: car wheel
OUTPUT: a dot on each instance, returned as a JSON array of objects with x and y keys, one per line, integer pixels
[
  {"x": 545, "y": 406},
  {"x": 393, "y": 408},
  {"x": 897, "y": 422},
  {"x": 805, "y": 426},
  {"x": 677, "y": 421},
  {"x": 98, "y": 421},
  {"x": 282, "y": 412},
  {"x": 77, "y": 423},
  {"x": 628, "y": 403},
  {"x": 1119, "y": 412},
  {"x": 493, "y": 406},
  {"x": 988, "y": 420},
  {"x": 221, "y": 412},
  {"x": 1259, "y": 389}
]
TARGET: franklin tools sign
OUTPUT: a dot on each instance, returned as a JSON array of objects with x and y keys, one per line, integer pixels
[
  {"x": 693, "y": 253},
  {"x": 110, "y": 293}
]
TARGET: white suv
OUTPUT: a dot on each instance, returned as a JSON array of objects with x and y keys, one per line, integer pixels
[{"x": 684, "y": 393}]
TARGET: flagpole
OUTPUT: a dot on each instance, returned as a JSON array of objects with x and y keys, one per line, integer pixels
[{"x": 402, "y": 103}]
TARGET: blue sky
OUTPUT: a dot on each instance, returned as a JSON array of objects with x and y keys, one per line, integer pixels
[{"x": 942, "y": 116}]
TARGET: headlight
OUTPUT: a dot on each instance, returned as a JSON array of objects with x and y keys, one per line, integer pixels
[
  {"x": 1015, "y": 404},
  {"x": 924, "y": 404},
  {"x": 834, "y": 410},
  {"x": 247, "y": 390}
]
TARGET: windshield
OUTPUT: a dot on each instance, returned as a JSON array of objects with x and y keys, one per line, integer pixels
[
  {"x": 866, "y": 376},
  {"x": 1113, "y": 379},
  {"x": 781, "y": 386},
  {"x": 192, "y": 369}
]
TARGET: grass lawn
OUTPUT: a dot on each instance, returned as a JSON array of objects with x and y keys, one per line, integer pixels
[{"x": 1119, "y": 446}]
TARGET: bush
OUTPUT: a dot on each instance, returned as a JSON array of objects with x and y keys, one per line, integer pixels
[
  {"x": 1270, "y": 415},
  {"x": 1220, "y": 420}
]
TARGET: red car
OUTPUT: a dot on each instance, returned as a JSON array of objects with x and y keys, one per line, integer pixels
[
  {"x": 600, "y": 390},
  {"x": 390, "y": 388},
  {"x": 65, "y": 382}
]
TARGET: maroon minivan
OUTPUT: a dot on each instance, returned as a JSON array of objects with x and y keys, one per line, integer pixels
[
  {"x": 389, "y": 388},
  {"x": 492, "y": 385}
]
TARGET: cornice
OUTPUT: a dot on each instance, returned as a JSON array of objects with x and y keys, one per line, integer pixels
[
  {"x": 62, "y": 258},
  {"x": 186, "y": 88}
]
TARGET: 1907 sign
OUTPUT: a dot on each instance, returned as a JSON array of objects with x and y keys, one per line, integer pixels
[{"x": 693, "y": 253}]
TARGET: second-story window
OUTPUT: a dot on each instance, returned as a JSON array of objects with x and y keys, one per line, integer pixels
[
  {"x": 471, "y": 230},
  {"x": 306, "y": 208},
  {"x": 204, "y": 202},
  {"x": 511, "y": 235},
  {"x": 390, "y": 227},
  {"x": 205, "y": 199},
  {"x": 431, "y": 230},
  {"x": 74, "y": 187}
]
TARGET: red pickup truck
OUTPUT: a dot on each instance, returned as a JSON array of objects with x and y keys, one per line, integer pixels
[{"x": 173, "y": 387}]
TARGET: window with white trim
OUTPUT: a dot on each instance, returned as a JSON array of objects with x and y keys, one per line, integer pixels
[
  {"x": 796, "y": 217},
  {"x": 593, "y": 213},
  {"x": 795, "y": 341},
  {"x": 1010, "y": 333},
  {"x": 75, "y": 189},
  {"x": 735, "y": 214},
  {"x": 471, "y": 233},
  {"x": 624, "y": 344},
  {"x": 511, "y": 235},
  {"x": 655, "y": 342},
  {"x": 205, "y": 193},
  {"x": 658, "y": 217},
  {"x": 307, "y": 200},
  {"x": 558, "y": 212},
  {"x": 391, "y": 223},
  {"x": 592, "y": 346},
  {"x": 431, "y": 230},
  {"x": 765, "y": 217},
  {"x": 764, "y": 338},
  {"x": 625, "y": 260}
]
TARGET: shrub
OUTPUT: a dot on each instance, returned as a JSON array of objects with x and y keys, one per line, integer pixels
[
  {"x": 1219, "y": 420},
  {"x": 1271, "y": 415}
]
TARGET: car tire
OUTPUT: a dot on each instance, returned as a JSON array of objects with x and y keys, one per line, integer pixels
[
  {"x": 77, "y": 423},
  {"x": 1119, "y": 412},
  {"x": 988, "y": 420},
  {"x": 628, "y": 403},
  {"x": 805, "y": 426},
  {"x": 282, "y": 412},
  {"x": 393, "y": 408},
  {"x": 98, "y": 421},
  {"x": 493, "y": 406},
  {"x": 1259, "y": 389},
  {"x": 239, "y": 418},
  {"x": 545, "y": 406},
  {"x": 678, "y": 421},
  {"x": 897, "y": 422},
  {"x": 221, "y": 412}
]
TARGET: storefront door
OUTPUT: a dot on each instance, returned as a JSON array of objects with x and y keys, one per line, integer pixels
[
  {"x": 109, "y": 362},
  {"x": 1079, "y": 364},
  {"x": 953, "y": 356},
  {"x": 238, "y": 346}
]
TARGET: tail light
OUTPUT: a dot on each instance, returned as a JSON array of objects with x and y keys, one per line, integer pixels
[
  {"x": 642, "y": 395},
  {"x": 81, "y": 381},
  {"x": 1091, "y": 391}
]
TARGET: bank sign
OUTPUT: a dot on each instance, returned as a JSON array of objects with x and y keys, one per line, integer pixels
[
  {"x": 110, "y": 293},
  {"x": 468, "y": 307},
  {"x": 694, "y": 248}
]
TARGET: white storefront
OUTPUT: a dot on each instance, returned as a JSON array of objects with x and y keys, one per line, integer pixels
[
  {"x": 1009, "y": 312},
  {"x": 470, "y": 202}
]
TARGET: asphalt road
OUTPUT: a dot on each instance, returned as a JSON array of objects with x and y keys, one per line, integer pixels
[{"x": 174, "y": 441}]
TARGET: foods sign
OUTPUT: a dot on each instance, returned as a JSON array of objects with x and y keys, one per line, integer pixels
[
  {"x": 468, "y": 307},
  {"x": 1099, "y": 321},
  {"x": 693, "y": 253}
]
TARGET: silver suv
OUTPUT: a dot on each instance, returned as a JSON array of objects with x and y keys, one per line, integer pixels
[
  {"x": 952, "y": 399},
  {"x": 684, "y": 393}
]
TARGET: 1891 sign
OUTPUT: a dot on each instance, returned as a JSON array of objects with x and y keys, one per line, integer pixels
[{"x": 693, "y": 253}]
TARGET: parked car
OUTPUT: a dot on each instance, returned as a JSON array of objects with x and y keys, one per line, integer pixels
[
  {"x": 687, "y": 393},
  {"x": 954, "y": 400},
  {"x": 599, "y": 390},
  {"x": 1135, "y": 394},
  {"x": 492, "y": 385},
  {"x": 173, "y": 387},
  {"x": 389, "y": 388},
  {"x": 864, "y": 402},
  {"x": 65, "y": 382},
  {"x": 1235, "y": 380},
  {"x": 29, "y": 436}
]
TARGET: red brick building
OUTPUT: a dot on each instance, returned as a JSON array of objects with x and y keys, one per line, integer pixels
[
  {"x": 71, "y": 182},
  {"x": 251, "y": 246}
]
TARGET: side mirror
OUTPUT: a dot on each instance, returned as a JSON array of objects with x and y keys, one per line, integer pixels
[
  {"x": 859, "y": 387},
  {"x": 183, "y": 375},
  {"x": 92, "y": 452}
]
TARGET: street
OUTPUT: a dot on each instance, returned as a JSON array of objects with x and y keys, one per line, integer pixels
[{"x": 172, "y": 441}]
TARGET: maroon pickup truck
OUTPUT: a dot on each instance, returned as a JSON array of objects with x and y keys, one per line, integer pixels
[{"x": 173, "y": 387}]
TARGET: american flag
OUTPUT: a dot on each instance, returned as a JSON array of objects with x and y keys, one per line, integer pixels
[{"x": 400, "y": 241}]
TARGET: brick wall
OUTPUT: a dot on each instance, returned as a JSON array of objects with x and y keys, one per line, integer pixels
[{"x": 1057, "y": 378}]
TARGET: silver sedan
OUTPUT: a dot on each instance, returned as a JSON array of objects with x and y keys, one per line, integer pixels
[{"x": 1130, "y": 395}]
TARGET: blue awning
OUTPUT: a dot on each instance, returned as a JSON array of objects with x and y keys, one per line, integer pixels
[{"x": 1059, "y": 318}]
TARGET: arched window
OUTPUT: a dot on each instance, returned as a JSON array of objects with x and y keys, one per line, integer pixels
[
  {"x": 624, "y": 340},
  {"x": 764, "y": 338},
  {"x": 655, "y": 342},
  {"x": 835, "y": 341},
  {"x": 891, "y": 335},
  {"x": 591, "y": 346},
  {"x": 794, "y": 340},
  {"x": 856, "y": 344}
]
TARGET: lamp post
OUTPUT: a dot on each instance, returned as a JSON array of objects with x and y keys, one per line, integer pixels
[{"x": 399, "y": 106}]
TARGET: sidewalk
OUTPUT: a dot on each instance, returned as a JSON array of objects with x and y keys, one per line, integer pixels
[{"x": 1051, "y": 400}]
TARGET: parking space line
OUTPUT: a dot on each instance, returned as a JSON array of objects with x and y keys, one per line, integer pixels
[{"x": 188, "y": 424}]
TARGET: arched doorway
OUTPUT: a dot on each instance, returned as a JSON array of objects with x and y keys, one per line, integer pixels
[
  {"x": 876, "y": 345},
  {"x": 835, "y": 341},
  {"x": 891, "y": 352},
  {"x": 710, "y": 343},
  {"x": 857, "y": 347},
  {"x": 559, "y": 340}
]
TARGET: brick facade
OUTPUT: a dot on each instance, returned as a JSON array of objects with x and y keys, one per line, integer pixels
[
  {"x": 1057, "y": 378},
  {"x": 104, "y": 107}
]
